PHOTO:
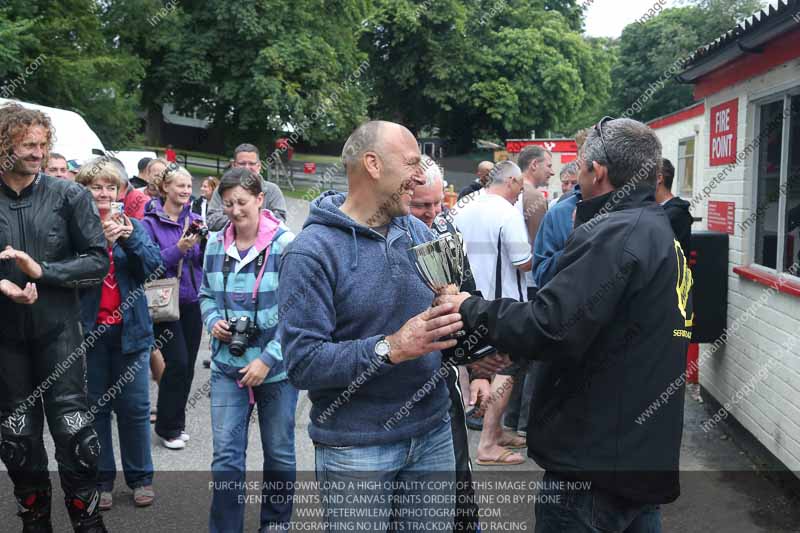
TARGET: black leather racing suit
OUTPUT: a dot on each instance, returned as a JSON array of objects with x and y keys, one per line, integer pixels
[{"x": 41, "y": 355}]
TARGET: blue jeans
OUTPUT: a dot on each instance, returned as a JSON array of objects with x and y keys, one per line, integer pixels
[
  {"x": 410, "y": 483},
  {"x": 560, "y": 509},
  {"x": 120, "y": 382},
  {"x": 230, "y": 420}
]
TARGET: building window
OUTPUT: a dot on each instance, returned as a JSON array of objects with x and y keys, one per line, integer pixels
[
  {"x": 686, "y": 166},
  {"x": 777, "y": 209}
]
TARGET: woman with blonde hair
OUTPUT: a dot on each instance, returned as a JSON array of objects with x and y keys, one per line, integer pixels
[
  {"x": 177, "y": 232},
  {"x": 200, "y": 204},
  {"x": 124, "y": 339}
]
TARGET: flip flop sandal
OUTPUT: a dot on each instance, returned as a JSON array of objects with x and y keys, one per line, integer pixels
[
  {"x": 500, "y": 461},
  {"x": 515, "y": 443}
]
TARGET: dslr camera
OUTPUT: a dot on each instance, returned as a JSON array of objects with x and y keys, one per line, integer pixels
[
  {"x": 243, "y": 331},
  {"x": 197, "y": 228}
]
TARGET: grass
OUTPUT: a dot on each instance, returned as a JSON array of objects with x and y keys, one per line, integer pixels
[
  {"x": 160, "y": 151},
  {"x": 317, "y": 158},
  {"x": 298, "y": 193},
  {"x": 298, "y": 156},
  {"x": 202, "y": 171}
]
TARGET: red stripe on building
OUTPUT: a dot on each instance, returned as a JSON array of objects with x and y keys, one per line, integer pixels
[
  {"x": 679, "y": 116},
  {"x": 778, "y": 51},
  {"x": 782, "y": 284},
  {"x": 514, "y": 146}
]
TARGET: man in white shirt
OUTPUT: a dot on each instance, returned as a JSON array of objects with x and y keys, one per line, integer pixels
[{"x": 499, "y": 254}]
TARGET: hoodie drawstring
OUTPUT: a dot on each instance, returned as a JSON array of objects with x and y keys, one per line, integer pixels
[
  {"x": 355, "y": 247},
  {"x": 251, "y": 396}
]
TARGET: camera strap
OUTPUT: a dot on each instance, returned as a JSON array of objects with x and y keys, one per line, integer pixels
[{"x": 226, "y": 270}]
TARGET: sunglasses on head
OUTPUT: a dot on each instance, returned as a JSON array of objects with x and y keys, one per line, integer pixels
[{"x": 599, "y": 129}]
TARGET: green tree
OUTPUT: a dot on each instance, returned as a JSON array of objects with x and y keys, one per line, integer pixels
[
  {"x": 598, "y": 102},
  {"x": 483, "y": 68},
  {"x": 149, "y": 30},
  {"x": 416, "y": 51},
  {"x": 648, "y": 50},
  {"x": 61, "y": 55},
  {"x": 14, "y": 35},
  {"x": 251, "y": 67}
]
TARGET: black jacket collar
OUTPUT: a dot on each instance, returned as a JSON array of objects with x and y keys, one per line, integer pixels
[
  {"x": 11, "y": 193},
  {"x": 616, "y": 200}
]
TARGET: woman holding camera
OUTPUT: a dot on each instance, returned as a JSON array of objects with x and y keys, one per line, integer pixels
[
  {"x": 118, "y": 362},
  {"x": 239, "y": 301},
  {"x": 177, "y": 232}
]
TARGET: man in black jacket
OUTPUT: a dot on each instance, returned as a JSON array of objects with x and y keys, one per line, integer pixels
[
  {"x": 615, "y": 322},
  {"x": 484, "y": 168},
  {"x": 50, "y": 236},
  {"x": 677, "y": 208}
]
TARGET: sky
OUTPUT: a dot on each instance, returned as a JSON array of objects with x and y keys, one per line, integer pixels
[{"x": 607, "y": 18}]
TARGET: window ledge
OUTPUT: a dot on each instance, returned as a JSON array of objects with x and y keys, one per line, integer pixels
[{"x": 782, "y": 283}]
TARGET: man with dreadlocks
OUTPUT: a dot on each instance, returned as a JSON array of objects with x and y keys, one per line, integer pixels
[{"x": 51, "y": 243}]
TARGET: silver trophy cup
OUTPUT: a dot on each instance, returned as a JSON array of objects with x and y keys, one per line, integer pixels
[{"x": 440, "y": 262}]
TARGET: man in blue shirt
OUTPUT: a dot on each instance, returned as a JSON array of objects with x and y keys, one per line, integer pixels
[{"x": 552, "y": 236}]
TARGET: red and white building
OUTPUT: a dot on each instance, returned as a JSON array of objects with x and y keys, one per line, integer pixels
[
  {"x": 737, "y": 155},
  {"x": 563, "y": 150}
]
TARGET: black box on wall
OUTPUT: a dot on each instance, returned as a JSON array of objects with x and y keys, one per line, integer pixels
[{"x": 708, "y": 259}]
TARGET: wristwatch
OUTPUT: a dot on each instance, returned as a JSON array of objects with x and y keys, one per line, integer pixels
[{"x": 383, "y": 349}]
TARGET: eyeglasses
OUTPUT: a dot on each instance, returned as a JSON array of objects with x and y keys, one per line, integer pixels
[{"x": 599, "y": 129}]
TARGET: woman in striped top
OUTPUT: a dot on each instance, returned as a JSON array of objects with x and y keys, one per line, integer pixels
[{"x": 239, "y": 289}]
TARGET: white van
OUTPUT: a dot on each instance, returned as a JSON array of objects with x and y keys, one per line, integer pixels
[
  {"x": 74, "y": 139},
  {"x": 130, "y": 159}
]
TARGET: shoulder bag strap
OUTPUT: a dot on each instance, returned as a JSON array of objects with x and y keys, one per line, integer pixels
[{"x": 180, "y": 263}]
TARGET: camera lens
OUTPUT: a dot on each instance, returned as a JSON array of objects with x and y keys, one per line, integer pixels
[
  {"x": 239, "y": 336},
  {"x": 236, "y": 348}
]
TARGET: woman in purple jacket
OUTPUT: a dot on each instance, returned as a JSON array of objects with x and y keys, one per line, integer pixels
[{"x": 166, "y": 221}]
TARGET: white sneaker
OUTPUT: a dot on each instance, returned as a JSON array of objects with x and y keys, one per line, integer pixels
[
  {"x": 184, "y": 436},
  {"x": 174, "y": 444}
]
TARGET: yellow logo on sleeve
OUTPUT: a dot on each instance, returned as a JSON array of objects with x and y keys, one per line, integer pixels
[{"x": 683, "y": 289}]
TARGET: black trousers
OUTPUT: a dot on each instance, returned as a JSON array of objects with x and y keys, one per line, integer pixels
[
  {"x": 179, "y": 341},
  {"x": 45, "y": 376},
  {"x": 466, "y": 508}
]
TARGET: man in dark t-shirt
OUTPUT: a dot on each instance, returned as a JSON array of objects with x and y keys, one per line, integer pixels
[{"x": 677, "y": 209}]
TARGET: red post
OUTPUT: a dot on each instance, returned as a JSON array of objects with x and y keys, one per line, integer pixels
[{"x": 692, "y": 360}]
